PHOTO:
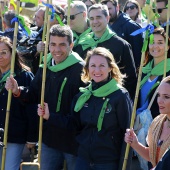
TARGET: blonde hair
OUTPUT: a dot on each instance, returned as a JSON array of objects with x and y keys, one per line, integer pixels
[{"x": 114, "y": 73}]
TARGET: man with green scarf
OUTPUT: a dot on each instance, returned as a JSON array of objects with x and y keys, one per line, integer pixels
[
  {"x": 62, "y": 84},
  {"x": 102, "y": 36},
  {"x": 78, "y": 21}
]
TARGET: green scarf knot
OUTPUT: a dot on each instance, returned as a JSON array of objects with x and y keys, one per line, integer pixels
[
  {"x": 103, "y": 91},
  {"x": 88, "y": 40},
  {"x": 72, "y": 59},
  {"x": 158, "y": 70}
]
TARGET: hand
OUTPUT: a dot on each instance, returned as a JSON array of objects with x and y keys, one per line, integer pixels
[
  {"x": 44, "y": 112},
  {"x": 30, "y": 145},
  {"x": 40, "y": 46},
  {"x": 11, "y": 84},
  {"x": 130, "y": 137}
]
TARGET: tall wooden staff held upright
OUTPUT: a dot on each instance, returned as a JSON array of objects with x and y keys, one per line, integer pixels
[
  {"x": 137, "y": 89},
  {"x": 10, "y": 92},
  {"x": 43, "y": 87}
]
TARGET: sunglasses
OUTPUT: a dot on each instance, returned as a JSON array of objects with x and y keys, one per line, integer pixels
[
  {"x": 159, "y": 10},
  {"x": 130, "y": 7},
  {"x": 4, "y": 53},
  {"x": 72, "y": 17}
]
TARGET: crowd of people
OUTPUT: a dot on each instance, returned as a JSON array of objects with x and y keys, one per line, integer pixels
[{"x": 91, "y": 78}]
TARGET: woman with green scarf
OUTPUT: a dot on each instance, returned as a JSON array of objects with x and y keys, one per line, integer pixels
[
  {"x": 152, "y": 71},
  {"x": 100, "y": 114}
]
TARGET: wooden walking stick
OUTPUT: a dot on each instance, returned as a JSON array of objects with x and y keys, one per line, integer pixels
[
  {"x": 68, "y": 12},
  {"x": 136, "y": 94},
  {"x": 10, "y": 92},
  {"x": 44, "y": 30},
  {"x": 43, "y": 87},
  {"x": 167, "y": 32}
]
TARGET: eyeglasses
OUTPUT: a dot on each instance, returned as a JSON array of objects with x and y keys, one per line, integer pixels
[
  {"x": 159, "y": 10},
  {"x": 72, "y": 17},
  {"x": 130, "y": 7},
  {"x": 4, "y": 53}
]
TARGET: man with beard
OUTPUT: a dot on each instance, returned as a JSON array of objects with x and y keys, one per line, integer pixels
[{"x": 123, "y": 26}]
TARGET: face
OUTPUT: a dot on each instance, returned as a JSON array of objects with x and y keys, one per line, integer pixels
[
  {"x": 157, "y": 49},
  {"x": 164, "y": 98},
  {"x": 39, "y": 18},
  {"x": 113, "y": 11},
  {"x": 59, "y": 48},
  {"x": 77, "y": 18},
  {"x": 131, "y": 10},
  {"x": 5, "y": 57},
  {"x": 163, "y": 14},
  {"x": 98, "y": 68},
  {"x": 98, "y": 21}
]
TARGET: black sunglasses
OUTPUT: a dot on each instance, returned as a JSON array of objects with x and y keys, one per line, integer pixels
[
  {"x": 131, "y": 7},
  {"x": 72, "y": 17},
  {"x": 159, "y": 10}
]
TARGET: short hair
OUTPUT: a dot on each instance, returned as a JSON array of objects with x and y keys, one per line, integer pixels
[
  {"x": 104, "y": 9},
  {"x": 62, "y": 31},
  {"x": 79, "y": 5},
  {"x": 8, "y": 16},
  {"x": 59, "y": 10},
  {"x": 114, "y": 2},
  {"x": 92, "y": 1},
  {"x": 165, "y": 1},
  {"x": 43, "y": 9},
  {"x": 101, "y": 51}
]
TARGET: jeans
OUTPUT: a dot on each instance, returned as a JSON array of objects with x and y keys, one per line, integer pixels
[
  {"x": 13, "y": 156},
  {"x": 53, "y": 159},
  {"x": 82, "y": 164}
]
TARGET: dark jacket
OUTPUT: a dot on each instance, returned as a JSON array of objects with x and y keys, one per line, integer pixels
[
  {"x": 23, "y": 119},
  {"x": 123, "y": 56},
  {"x": 123, "y": 27},
  {"x": 10, "y": 34},
  {"x": 154, "y": 108},
  {"x": 95, "y": 146},
  {"x": 63, "y": 140}
]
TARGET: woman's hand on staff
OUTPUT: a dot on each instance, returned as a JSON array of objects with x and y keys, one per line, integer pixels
[
  {"x": 131, "y": 138},
  {"x": 44, "y": 112},
  {"x": 11, "y": 84}
]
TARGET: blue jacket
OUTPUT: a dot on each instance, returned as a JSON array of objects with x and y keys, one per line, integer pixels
[{"x": 123, "y": 27}]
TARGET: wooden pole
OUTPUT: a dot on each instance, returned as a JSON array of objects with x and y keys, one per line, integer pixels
[
  {"x": 68, "y": 12},
  {"x": 43, "y": 87},
  {"x": 10, "y": 92}
]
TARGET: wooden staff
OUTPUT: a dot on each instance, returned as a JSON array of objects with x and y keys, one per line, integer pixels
[
  {"x": 135, "y": 101},
  {"x": 68, "y": 12},
  {"x": 44, "y": 30},
  {"x": 167, "y": 36},
  {"x": 1, "y": 16},
  {"x": 43, "y": 87},
  {"x": 10, "y": 92}
]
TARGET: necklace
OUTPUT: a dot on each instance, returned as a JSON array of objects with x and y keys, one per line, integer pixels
[{"x": 168, "y": 122}]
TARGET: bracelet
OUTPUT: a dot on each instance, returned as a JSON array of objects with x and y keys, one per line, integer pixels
[{"x": 17, "y": 95}]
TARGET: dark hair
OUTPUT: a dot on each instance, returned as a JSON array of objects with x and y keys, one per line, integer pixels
[
  {"x": 59, "y": 10},
  {"x": 134, "y": 2},
  {"x": 100, "y": 6},
  {"x": 19, "y": 63},
  {"x": 92, "y": 1},
  {"x": 114, "y": 2},
  {"x": 62, "y": 31},
  {"x": 162, "y": 32},
  {"x": 165, "y": 1},
  {"x": 8, "y": 16}
]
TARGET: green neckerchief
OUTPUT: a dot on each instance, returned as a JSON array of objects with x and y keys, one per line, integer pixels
[
  {"x": 88, "y": 40},
  {"x": 156, "y": 71},
  {"x": 78, "y": 38},
  {"x": 103, "y": 91},
  {"x": 72, "y": 59}
]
